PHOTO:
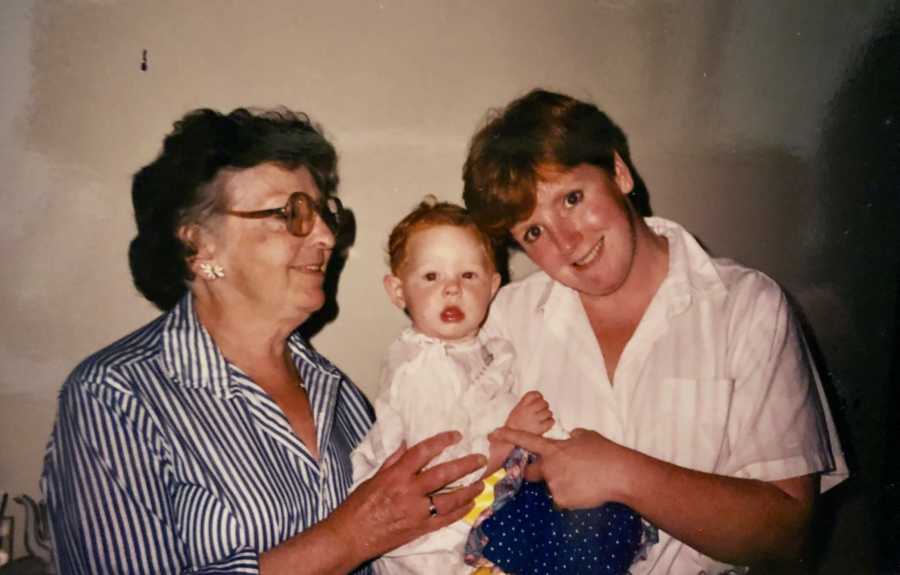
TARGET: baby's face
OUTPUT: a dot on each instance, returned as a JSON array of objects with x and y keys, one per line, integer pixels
[{"x": 446, "y": 282}]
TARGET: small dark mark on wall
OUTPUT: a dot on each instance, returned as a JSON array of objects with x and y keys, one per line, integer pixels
[{"x": 144, "y": 61}]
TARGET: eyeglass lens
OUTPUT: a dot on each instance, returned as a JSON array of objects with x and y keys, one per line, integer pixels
[{"x": 302, "y": 213}]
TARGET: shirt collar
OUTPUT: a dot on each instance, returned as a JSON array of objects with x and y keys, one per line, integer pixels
[
  {"x": 691, "y": 270},
  {"x": 190, "y": 356},
  {"x": 306, "y": 358},
  {"x": 411, "y": 336},
  {"x": 192, "y": 359}
]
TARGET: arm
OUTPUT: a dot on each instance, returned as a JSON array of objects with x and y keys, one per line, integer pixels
[
  {"x": 105, "y": 481},
  {"x": 691, "y": 505},
  {"x": 772, "y": 523}
]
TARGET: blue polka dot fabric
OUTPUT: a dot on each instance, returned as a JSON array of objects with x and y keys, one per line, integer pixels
[{"x": 528, "y": 536}]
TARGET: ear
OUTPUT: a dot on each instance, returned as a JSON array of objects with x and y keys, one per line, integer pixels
[
  {"x": 393, "y": 286},
  {"x": 622, "y": 174},
  {"x": 194, "y": 236},
  {"x": 495, "y": 284}
]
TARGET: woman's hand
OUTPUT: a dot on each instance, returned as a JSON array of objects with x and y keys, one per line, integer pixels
[
  {"x": 393, "y": 507},
  {"x": 388, "y": 510},
  {"x": 582, "y": 471}
]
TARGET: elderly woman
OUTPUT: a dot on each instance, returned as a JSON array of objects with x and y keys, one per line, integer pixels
[{"x": 215, "y": 439}]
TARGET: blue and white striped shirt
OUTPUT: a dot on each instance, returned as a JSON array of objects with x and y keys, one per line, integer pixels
[{"x": 166, "y": 458}]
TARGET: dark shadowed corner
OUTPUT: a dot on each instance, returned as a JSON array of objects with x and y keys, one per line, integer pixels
[{"x": 860, "y": 159}]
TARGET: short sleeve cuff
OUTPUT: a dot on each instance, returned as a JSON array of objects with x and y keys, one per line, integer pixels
[
  {"x": 831, "y": 472},
  {"x": 241, "y": 561}
]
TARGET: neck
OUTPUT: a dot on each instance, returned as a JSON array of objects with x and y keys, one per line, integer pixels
[{"x": 247, "y": 338}]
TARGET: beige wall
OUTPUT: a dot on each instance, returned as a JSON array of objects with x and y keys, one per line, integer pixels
[{"x": 724, "y": 103}]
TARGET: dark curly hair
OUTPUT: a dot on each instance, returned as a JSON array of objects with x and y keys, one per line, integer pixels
[
  {"x": 174, "y": 189},
  {"x": 537, "y": 131}
]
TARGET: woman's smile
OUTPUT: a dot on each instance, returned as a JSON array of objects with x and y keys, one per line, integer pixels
[
  {"x": 312, "y": 268},
  {"x": 590, "y": 256}
]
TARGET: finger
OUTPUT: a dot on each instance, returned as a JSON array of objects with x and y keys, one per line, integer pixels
[
  {"x": 445, "y": 519},
  {"x": 578, "y": 431},
  {"x": 395, "y": 456},
  {"x": 536, "y": 400},
  {"x": 544, "y": 414},
  {"x": 534, "y": 472},
  {"x": 545, "y": 426},
  {"x": 530, "y": 441},
  {"x": 455, "y": 505},
  {"x": 540, "y": 412},
  {"x": 418, "y": 456},
  {"x": 434, "y": 478},
  {"x": 458, "y": 498}
]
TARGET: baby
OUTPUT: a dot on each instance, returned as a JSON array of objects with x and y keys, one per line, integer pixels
[{"x": 440, "y": 374}]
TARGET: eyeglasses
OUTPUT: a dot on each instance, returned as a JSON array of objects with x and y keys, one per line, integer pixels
[{"x": 299, "y": 214}]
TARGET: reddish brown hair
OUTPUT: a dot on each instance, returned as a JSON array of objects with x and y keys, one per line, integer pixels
[
  {"x": 538, "y": 133},
  {"x": 428, "y": 214}
]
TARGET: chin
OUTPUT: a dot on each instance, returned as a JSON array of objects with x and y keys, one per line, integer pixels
[
  {"x": 310, "y": 306},
  {"x": 458, "y": 336},
  {"x": 587, "y": 286}
]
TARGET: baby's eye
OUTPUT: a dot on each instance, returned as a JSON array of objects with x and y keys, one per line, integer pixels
[
  {"x": 531, "y": 234},
  {"x": 469, "y": 275},
  {"x": 573, "y": 198},
  {"x": 430, "y": 276}
]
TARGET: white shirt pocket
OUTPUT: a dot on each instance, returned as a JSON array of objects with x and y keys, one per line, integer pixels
[{"x": 685, "y": 421}]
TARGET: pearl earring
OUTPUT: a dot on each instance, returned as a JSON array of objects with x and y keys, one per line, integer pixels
[{"x": 212, "y": 271}]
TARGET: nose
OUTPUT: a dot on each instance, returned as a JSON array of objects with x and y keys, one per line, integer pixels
[
  {"x": 321, "y": 234},
  {"x": 566, "y": 236},
  {"x": 451, "y": 286}
]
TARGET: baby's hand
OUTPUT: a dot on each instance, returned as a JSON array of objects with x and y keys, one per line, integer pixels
[{"x": 531, "y": 414}]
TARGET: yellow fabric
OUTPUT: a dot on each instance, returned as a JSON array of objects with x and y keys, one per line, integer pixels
[{"x": 486, "y": 497}]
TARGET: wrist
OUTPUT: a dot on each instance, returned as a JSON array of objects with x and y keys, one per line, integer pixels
[
  {"x": 625, "y": 485},
  {"x": 321, "y": 549},
  {"x": 354, "y": 549},
  {"x": 523, "y": 425}
]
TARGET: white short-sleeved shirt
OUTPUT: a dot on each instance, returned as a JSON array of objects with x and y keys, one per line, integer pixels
[
  {"x": 716, "y": 377},
  {"x": 429, "y": 386}
]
